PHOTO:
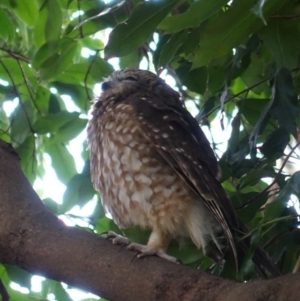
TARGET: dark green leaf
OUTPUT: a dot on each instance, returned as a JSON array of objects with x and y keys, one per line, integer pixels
[
  {"x": 126, "y": 37},
  {"x": 52, "y": 122},
  {"x": 284, "y": 106},
  {"x": 27, "y": 154},
  {"x": 275, "y": 144},
  {"x": 279, "y": 36},
  {"x": 195, "y": 80},
  {"x": 198, "y": 12},
  {"x": 229, "y": 29},
  {"x": 170, "y": 48}
]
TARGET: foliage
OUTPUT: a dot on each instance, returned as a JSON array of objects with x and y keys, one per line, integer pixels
[{"x": 235, "y": 60}]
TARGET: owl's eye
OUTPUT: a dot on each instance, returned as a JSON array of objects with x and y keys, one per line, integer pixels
[{"x": 131, "y": 78}]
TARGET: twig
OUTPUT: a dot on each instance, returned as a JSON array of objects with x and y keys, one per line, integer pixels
[{"x": 15, "y": 55}]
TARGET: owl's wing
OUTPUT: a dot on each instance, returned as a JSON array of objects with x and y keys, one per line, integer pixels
[{"x": 179, "y": 140}]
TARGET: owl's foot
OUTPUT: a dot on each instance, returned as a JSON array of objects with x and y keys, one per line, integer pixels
[
  {"x": 144, "y": 251},
  {"x": 116, "y": 238}
]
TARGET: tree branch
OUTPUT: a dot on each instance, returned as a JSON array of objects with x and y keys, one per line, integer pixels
[{"x": 32, "y": 238}]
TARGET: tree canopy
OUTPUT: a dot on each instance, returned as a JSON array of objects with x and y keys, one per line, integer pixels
[{"x": 235, "y": 63}]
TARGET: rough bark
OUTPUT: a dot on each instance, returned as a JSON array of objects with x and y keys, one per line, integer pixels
[{"x": 32, "y": 238}]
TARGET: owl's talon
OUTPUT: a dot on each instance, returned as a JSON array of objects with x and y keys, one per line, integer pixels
[
  {"x": 117, "y": 239},
  {"x": 136, "y": 255},
  {"x": 144, "y": 251}
]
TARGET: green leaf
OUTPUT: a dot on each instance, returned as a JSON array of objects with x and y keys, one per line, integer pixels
[
  {"x": 284, "y": 104},
  {"x": 42, "y": 99},
  {"x": 26, "y": 10},
  {"x": 195, "y": 80},
  {"x": 21, "y": 123},
  {"x": 66, "y": 56},
  {"x": 51, "y": 205},
  {"x": 131, "y": 34},
  {"x": 79, "y": 191},
  {"x": 53, "y": 122},
  {"x": 27, "y": 154},
  {"x": 18, "y": 275},
  {"x": 170, "y": 48},
  {"x": 62, "y": 161},
  {"x": 279, "y": 36},
  {"x": 11, "y": 69},
  {"x": 53, "y": 25},
  {"x": 6, "y": 27},
  {"x": 226, "y": 30},
  {"x": 70, "y": 130},
  {"x": 198, "y": 12},
  {"x": 275, "y": 144}
]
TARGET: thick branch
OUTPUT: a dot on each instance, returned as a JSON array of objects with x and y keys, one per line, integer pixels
[{"x": 32, "y": 238}]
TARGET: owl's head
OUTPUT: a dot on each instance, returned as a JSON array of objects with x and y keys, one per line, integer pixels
[{"x": 129, "y": 80}]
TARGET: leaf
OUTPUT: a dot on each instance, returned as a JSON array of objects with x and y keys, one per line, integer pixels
[
  {"x": 53, "y": 25},
  {"x": 131, "y": 34},
  {"x": 208, "y": 106},
  {"x": 284, "y": 104},
  {"x": 259, "y": 126},
  {"x": 51, "y": 205},
  {"x": 66, "y": 56},
  {"x": 70, "y": 130},
  {"x": 62, "y": 161},
  {"x": 295, "y": 182},
  {"x": 279, "y": 36},
  {"x": 26, "y": 10},
  {"x": 27, "y": 154},
  {"x": 198, "y": 12},
  {"x": 42, "y": 98},
  {"x": 256, "y": 73},
  {"x": 77, "y": 92},
  {"x": 170, "y": 48},
  {"x": 248, "y": 213},
  {"x": 274, "y": 209},
  {"x": 227, "y": 30},
  {"x": 13, "y": 71},
  {"x": 275, "y": 144},
  {"x": 79, "y": 190},
  {"x": 51, "y": 123},
  {"x": 18, "y": 275},
  {"x": 6, "y": 27},
  {"x": 195, "y": 80},
  {"x": 20, "y": 124}
]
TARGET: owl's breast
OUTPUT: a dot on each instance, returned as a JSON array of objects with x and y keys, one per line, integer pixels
[{"x": 136, "y": 185}]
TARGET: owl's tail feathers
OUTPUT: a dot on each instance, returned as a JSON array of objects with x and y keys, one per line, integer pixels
[{"x": 263, "y": 263}]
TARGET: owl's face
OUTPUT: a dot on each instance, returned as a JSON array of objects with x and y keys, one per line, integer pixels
[{"x": 130, "y": 80}]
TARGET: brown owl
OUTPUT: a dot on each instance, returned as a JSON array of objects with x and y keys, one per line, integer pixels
[{"x": 155, "y": 168}]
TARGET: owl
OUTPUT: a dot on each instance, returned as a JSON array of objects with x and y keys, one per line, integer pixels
[{"x": 155, "y": 169}]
